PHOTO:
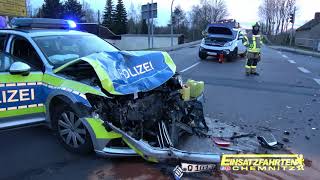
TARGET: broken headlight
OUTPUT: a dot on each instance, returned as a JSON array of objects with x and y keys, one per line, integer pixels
[{"x": 176, "y": 81}]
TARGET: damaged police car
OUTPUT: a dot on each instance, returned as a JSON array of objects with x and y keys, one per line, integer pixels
[{"x": 96, "y": 97}]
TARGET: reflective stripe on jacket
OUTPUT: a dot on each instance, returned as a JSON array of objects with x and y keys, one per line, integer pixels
[{"x": 253, "y": 42}]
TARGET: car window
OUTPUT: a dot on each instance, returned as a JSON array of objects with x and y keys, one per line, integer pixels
[
  {"x": 3, "y": 39},
  {"x": 21, "y": 48},
  {"x": 65, "y": 48},
  {"x": 5, "y": 61}
]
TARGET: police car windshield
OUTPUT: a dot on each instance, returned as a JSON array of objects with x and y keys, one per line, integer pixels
[{"x": 65, "y": 48}]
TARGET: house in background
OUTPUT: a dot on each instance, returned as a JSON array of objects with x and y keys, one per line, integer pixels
[{"x": 308, "y": 35}]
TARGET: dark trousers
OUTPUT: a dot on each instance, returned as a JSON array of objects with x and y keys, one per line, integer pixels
[{"x": 252, "y": 62}]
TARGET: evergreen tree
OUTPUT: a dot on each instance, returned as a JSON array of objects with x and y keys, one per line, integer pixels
[
  {"x": 144, "y": 27},
  {"x": 51, "y": 9},
  {"x": 120, "y": 19},
  {"x": 108, "y": 15},
  {"x": 73, "y": 10}
]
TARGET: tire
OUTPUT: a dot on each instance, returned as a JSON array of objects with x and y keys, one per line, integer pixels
[
  {"x": 203, "y": 55},
  {"x": 243, "y": 55},
  {"x": 70, "y": 130},
  {"x": 233, "y": 55}
]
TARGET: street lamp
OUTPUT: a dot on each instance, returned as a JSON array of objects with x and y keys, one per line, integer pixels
[{"x": 171, "y": 24}]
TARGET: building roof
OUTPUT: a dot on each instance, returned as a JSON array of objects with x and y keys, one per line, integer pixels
[{"x": 309, "y": 25}]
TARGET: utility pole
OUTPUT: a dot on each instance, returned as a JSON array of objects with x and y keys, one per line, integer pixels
[
  {"x": 171, "y": 24},
  {"x": 149, "y": 26},
  {"x": 292, "y": 20},
  {"x": 151, "y": 23}
]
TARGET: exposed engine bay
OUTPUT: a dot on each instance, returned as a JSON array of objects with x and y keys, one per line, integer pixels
[
  {"x": 158, "y": 116},
  {"x": 150, "y": 110}
]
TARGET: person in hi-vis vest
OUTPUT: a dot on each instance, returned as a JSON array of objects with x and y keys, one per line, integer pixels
[{"x": 253, "y": 42}]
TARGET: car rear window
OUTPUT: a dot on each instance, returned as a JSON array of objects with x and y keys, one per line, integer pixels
[{"x": 219, "y": 30}]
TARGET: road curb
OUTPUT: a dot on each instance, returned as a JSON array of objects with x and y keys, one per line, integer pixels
[
  {"x": 314, "y": 54},
  {"x": 179, "y": 46}
]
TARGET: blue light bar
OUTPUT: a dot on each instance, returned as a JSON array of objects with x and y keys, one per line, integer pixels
[
  {"x": 45, "y": 23},
  {"x": 72, "y": 24}
]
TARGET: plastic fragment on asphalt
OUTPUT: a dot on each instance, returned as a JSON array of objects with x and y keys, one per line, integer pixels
[
  {"x": 221, "y": 142},
  {"x": 286, "y": 133},
  {"x": 285, "y": 140},
  {"x": 231, "y": 149}
]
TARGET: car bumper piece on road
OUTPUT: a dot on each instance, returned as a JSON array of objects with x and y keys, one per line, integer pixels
[{"x": 154, "y": 154}]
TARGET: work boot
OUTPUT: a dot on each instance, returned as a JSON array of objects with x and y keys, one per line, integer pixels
[
  {"x": 255, "y": 73},
  {"x": 248, "y": 71}
]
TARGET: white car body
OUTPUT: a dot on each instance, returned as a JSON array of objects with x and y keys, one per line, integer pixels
[{"x": 230, "y": 47}]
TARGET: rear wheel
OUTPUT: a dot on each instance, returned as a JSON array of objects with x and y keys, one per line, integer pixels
[
  {"x": 71, "y": 131},
  {"x": 203, "y": 55}
]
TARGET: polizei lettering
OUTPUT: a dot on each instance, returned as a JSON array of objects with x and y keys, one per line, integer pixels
[
  {"x": 136, "y": 70},
  {"x": 20, "y": 95}
]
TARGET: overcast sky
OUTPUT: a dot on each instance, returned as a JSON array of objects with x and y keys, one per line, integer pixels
[{"x": 244, "y": 11}]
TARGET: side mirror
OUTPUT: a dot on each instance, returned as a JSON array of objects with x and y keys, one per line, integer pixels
[
  {"x": 20, "y": 68},
  {"x": 204, "y": 33}
]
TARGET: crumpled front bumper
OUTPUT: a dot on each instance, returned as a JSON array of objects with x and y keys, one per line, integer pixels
[{"x": 165, "y": 155}]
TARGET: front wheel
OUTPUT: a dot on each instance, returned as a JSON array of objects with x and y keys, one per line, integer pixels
[
  {"x": 71, "y": 131},
  {"x": 203, "y": 55}
]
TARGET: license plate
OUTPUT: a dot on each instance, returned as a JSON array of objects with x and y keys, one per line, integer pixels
[
  {"x": 212, "y": 53},
  {"x": 196, "y": 167}
]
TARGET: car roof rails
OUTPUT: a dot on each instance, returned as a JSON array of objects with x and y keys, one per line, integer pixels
[
  {"x": 231, "y": 23},
  {"x": 42, "y": 23}
]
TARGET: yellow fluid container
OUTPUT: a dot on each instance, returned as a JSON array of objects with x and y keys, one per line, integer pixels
[
  {"x": 185, "y": 92},
  {"x": 196, "y": 88}
]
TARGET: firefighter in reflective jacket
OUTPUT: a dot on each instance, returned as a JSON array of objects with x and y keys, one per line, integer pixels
[{"x": 253, "y": 42}]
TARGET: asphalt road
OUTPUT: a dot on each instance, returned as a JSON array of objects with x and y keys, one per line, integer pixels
[{"x": 286, "y": 96}]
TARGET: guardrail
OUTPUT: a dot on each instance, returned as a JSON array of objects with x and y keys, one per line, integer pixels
[{"x": 313, "y": 44}]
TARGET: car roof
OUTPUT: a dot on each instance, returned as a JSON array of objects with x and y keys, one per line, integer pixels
[{"x": 44, "y": 32}]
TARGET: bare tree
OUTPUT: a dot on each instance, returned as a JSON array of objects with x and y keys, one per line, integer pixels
[
  {"x": 207, "y": 12},
  {"x": 275, "y": 14},
  {"x": 89, "y": 15},
  {"x": 134, "y": 19}
]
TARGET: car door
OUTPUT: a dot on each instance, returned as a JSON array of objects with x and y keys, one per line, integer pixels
[
  {"x": 241, "y": 47},
  {"x": 21, "y": 103}
]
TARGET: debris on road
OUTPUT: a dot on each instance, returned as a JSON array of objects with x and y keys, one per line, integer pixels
[
  {"x": 221, "y": 142},
  {"x": 269, "y": 141},
  {"x": 231, "y": 149},
  {"x": 307, "y": 137},
  {"x": 285, "y": 140},
  {"x": 286, "y": 133},
  {"x": 242, "y": 135}
]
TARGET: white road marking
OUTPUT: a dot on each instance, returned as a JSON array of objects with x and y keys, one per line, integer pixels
[
  {"x": 304, "y": 70},
  {"x": 284, "y": 56},
  {"x": 291, "y": 61},
  {"x": 317, "y": 80},
  {"x": 186, "y": 69}
]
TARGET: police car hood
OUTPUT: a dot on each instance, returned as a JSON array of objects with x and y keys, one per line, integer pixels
[{"x": 128, "y": 72}]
